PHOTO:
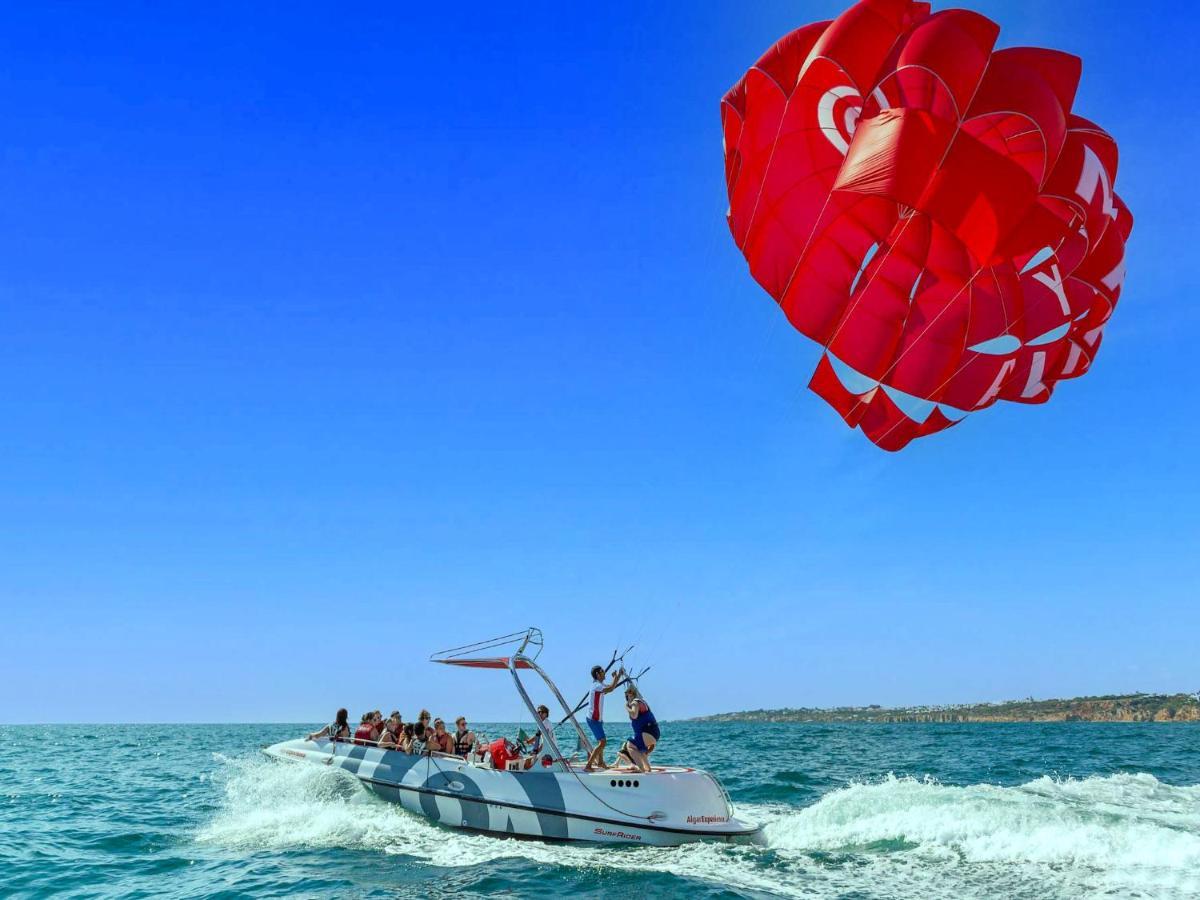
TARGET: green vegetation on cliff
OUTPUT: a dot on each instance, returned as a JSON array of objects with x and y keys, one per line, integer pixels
[{"x": 1115, "y": 708}]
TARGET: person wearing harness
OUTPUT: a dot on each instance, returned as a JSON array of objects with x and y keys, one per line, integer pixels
[
  {"x": 645, "y": 731},
  {"x": 338, "y": 729},
  {"x": 464, "y": 739},
  {"x": 595, "y": 716}
]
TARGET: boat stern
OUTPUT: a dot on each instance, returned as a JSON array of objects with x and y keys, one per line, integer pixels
[{"x": 667, "y": 805}]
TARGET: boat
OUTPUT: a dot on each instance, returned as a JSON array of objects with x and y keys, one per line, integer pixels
[{"x": 555, "y": 799}]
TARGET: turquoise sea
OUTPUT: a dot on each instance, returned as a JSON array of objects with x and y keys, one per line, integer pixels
[{"x": 851, "y": 811}]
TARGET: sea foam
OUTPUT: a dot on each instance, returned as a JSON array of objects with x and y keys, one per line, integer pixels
[
  {"x": 1128, "y": 832},
  {"x": 1128, "y": 835}
]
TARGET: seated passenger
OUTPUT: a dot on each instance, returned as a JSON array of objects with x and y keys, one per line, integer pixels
[
  {"x": 406, "y": 742},
  {"x": 419, "y": 738},
  {"x": 366, "y": 733},
  {"x": 481, "y": 748},
  {"x": 533, "y": 743},
  {"x": 464, "y": 739},
  {"x": 439, "y": 740},
  {"x": 338, "y": 729},
  {"x": 645, "y": 731},
  {"x": 422, "y": 728},
  {"x": 393, "y": 732}
]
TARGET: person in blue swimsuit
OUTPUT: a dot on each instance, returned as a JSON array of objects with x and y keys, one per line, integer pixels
[{"x": 636, "y": 751}]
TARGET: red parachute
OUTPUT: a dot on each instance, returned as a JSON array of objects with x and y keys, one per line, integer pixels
[{"x": 928, "y": 209}]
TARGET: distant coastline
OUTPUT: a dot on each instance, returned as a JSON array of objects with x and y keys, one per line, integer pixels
[{"x": 1111, "y": 708}]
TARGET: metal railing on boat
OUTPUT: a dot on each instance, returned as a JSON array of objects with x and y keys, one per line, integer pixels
[{"x": 476, "y": 756}]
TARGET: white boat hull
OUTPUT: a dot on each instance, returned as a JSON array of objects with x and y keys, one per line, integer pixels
[{"x": 670, "y": 805}]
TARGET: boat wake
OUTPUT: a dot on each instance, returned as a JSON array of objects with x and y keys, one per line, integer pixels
[{"x": 1126, "y": 835}]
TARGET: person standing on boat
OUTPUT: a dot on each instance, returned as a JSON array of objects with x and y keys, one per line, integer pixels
[
  {"x": 645, "y": 731},
  {"x": 595, "y": 716}
]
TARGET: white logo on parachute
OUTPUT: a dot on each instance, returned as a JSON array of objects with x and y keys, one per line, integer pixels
[
  {"x": 1093, "y": 177},
  {"x": 839, "y": 133}
]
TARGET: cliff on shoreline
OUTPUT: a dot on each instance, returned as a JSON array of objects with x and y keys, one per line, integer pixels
[{"x": 1113, "y": 708}]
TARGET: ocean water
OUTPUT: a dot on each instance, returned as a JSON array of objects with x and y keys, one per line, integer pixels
[{"x": 851, "y": 811}]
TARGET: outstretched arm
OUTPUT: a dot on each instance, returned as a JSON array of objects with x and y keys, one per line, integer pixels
[{"x": 617, "y": 676}]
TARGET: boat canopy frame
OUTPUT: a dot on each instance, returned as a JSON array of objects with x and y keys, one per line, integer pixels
[{"x": 529, "y": 645}]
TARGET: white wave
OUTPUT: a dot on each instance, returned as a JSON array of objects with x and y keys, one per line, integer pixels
[
  {"x": 1122, "y": 832},
  {"x": 1126, "y": 835},
  {"x": 275, "y": 806}
]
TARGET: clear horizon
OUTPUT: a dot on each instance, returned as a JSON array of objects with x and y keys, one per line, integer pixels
[
  {"x": 492, "y": 720},
  {"x": 337, "y": 338}
]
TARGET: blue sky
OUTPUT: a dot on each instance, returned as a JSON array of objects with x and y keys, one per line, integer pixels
[{"x": 331, "y": 339}]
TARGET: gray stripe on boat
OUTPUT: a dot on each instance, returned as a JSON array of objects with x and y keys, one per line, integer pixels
[
  {"x": 474, "y": 815},
  {"x": 543, "y": 790},
  {"x": 395, "y": 765}
]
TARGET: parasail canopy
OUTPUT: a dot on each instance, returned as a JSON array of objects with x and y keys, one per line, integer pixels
[{"x": 929, "y": 209}]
